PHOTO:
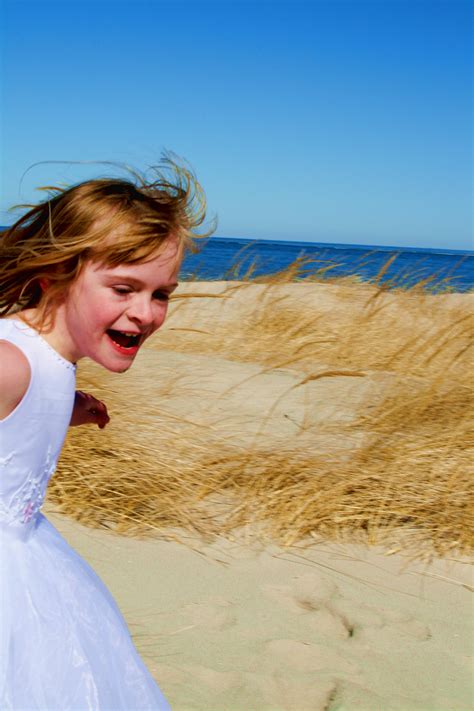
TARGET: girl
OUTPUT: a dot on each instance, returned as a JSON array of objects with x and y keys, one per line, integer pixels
[{"x": 88, "y": 272}]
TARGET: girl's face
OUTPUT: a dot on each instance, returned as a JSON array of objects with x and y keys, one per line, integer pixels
[{"x": 109, "y": 312}]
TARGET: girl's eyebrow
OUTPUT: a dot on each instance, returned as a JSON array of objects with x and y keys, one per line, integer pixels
[{"x": 138, "y": 282}]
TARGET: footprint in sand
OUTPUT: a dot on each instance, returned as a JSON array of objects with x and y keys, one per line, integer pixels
[
  {"x": 305, "y": 593},
  {"x": 333, "y": 616},
  {"x": 215, "y": 680},
  {"x": 195, "y": 685},
  {"x": 329, "y": 624},
  {"x": 279, "y": 692},
  {"x": 306, "y": 657},
  {"x": 215, "y": 614},
  {"x": 370, "y": 623},
  {"x": 311, "y": 595}
]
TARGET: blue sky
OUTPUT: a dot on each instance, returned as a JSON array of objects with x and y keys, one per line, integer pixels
[{"x": 327, "y": 121}]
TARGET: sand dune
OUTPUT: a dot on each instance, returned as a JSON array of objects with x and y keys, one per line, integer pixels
[
  {"x": 232, "y": 627},
  {"x": 249, "y": 405},
  {"x": 256, "y": 376}
]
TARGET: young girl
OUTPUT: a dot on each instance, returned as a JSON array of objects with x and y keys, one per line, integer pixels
[{"x": 88, "y": 272}]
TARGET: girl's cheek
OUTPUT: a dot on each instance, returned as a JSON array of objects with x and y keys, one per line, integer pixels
[{"x": 161, "y": 316}]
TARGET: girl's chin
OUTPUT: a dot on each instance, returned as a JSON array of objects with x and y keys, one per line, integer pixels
[
  {"x": 119, "y": 365},
  {"x": 122, "y": 370}
]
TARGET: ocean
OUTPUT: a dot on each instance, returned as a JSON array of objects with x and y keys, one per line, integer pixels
[{"x": 230, "y": 258}]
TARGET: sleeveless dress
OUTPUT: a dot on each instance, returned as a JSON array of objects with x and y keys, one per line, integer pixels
[{"x": 64, "y": 644}]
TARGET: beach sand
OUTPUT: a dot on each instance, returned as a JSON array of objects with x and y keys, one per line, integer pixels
[
  {"x": 236, "y": 624},
  {"x": 233, "y": 627}
]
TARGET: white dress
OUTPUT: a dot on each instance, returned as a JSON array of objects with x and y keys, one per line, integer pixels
[{"x": 64, "y": 644}]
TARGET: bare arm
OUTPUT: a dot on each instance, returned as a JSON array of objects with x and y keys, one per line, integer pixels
[
  {"x": 15, "y": 377},
  {"x": 88, "y": 410}
]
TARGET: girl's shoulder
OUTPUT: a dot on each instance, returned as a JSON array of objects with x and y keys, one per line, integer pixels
[{"x": 15, "y": 376}]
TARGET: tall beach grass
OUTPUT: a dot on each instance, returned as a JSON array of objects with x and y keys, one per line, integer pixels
[{"x": 409, "y": 481}]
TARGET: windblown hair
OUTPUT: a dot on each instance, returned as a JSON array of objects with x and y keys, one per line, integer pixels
[{"x": 106, "y": 220}]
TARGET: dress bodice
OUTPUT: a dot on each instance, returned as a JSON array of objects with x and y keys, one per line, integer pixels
[{"x": 32, "y": 435}]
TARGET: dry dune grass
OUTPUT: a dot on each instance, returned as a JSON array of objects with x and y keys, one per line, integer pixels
[
  {"x": 408, "y": 484},
  {"x": 299, "y": 324}
]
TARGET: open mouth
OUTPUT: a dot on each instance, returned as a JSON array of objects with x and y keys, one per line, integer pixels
[{"x": 124, "y": 339}]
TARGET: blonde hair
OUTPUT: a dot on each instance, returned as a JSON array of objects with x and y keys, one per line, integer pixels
[{"x": 106, "y": 220}]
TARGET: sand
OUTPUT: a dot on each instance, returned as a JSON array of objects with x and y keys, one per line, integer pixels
[
  {"x": 240, "y": 627},
  {"x": 243, "y": 626}
]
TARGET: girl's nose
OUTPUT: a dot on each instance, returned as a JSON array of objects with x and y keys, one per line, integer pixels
[{"x": 141, "y": 311}]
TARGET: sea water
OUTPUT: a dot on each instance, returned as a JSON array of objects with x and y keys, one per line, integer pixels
[{"x": 231, "y": 258}]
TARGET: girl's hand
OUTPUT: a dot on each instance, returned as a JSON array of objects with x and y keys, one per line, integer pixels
[{"x": 87, "y": 409}]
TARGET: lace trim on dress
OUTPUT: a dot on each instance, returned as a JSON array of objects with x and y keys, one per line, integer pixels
[{"x": 28, "y": 499}]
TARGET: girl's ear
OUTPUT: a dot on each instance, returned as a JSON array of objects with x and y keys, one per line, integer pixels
[{"x": 44, "y": 283}]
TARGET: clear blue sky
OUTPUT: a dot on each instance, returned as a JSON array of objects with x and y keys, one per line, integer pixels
[{"x": 327, "y": 121}]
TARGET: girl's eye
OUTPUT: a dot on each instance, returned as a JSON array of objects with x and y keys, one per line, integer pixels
[{"x": 161, "y": 296}]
